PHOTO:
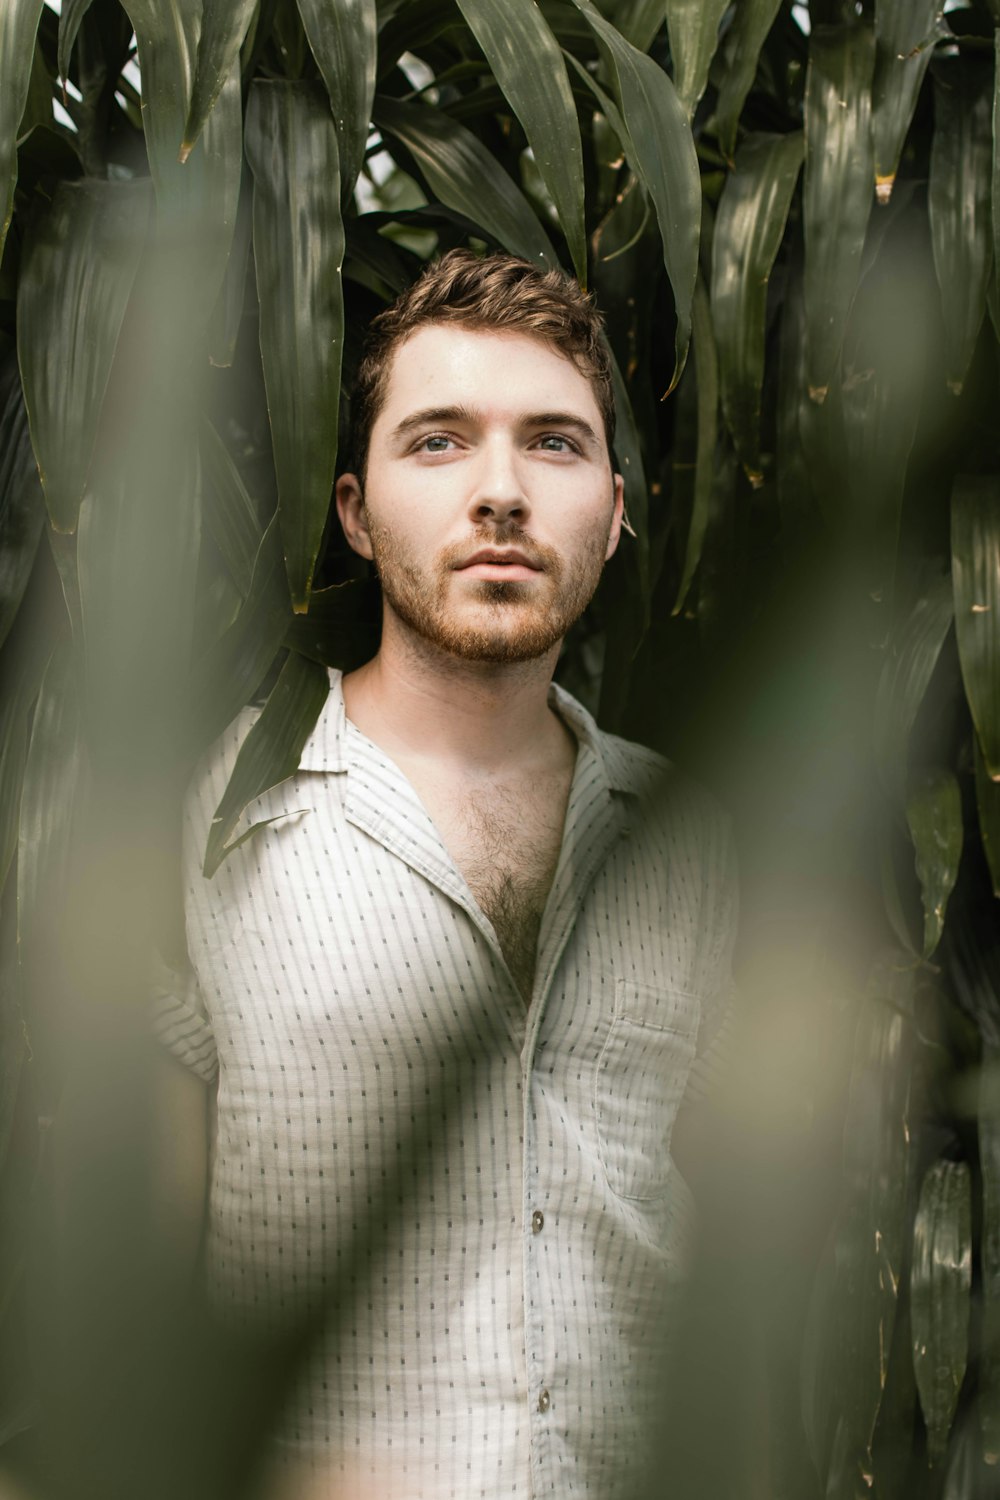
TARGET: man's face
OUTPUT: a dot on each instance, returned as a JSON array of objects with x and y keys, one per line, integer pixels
[{"x": 490, "y": 507}]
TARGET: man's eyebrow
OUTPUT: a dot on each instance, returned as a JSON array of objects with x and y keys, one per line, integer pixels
[
  {"x": 562, "y": 419},
  {"x": 431, "y": 414}
]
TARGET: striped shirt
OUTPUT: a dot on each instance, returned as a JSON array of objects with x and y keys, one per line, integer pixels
[{"x": 476, "y": 1198}]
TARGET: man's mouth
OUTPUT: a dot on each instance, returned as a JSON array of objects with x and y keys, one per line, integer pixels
[{"x": 500, "y": 563}]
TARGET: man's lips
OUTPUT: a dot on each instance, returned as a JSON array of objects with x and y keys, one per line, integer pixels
[{"x": 499, "y": 562}]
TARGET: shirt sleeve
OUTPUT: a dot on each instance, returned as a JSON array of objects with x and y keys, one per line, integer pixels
[{"x": 179, "y": 1019}]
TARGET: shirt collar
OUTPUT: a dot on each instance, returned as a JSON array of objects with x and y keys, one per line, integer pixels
[{"x": 325, "y": 749}]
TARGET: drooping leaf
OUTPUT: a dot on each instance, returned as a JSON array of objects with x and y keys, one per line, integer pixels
[
  {"x": 940, "y": 1284},
  {"x": 748, "y": 231},
  {"x": 342, "y": 627},
  {"x": 527, "y": 62},
  {"x": 639, "y": 21},
  {"x": 18, "y": 25},
  {"x": 298, "y": 251},
  {"x": 463, "y": 175},
  {"x": 661, "y": 153},
  {"x": 988, "y": 807},
  {"x": 71, "y": 17},
  {"x": 911, "y": 656},
  {"x": 975, "y": 570},
  {"x": 344, "y": 41},
  {"x": 270, "y": 753},
  {"x": 22, "y": 504},
  {"x": 21, "y": 679},
  {"x": 838, "y": 186},
  {"x": 693, "y": 26},
  {"x": 229, "y": 517},
  {"x": 988, "y": 1122},
  {"x": 628, "y": 452},
  {"x": 904, "y": 36},
  {"x": 706, "y": 369},
  {"x": 958, "y": 202},
  {"x": 746, "y": 36},
  {"x": 934, "y": 814},
  {"x": 77, "y": 276},
  {"x": 227, "y": 318},
  {"x": 224, "y": 26},
  {"x": 51, "y": 797}
]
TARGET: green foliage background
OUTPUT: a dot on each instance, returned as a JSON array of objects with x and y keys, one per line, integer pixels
[{"x": 790, "y": 217}]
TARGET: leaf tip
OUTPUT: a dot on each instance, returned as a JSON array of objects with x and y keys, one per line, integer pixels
[
  {"x": 186, "y": 148},
  {"x": 818, "y": 393},
  {"x": 883, "y": 187}
]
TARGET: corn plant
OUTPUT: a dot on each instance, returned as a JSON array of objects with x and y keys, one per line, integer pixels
[{"x": 790, "y": 217}]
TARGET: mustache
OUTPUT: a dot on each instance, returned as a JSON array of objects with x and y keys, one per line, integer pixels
[{"x": 505, "y": 534}]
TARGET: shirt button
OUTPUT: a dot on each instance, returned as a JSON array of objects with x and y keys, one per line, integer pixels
[
  {"x": 537, "y": 1221},
  {"x": 544, "y": 1401}
]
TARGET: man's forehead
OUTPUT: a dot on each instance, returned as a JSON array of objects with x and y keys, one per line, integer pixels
[{"x": 447, "y": 364}]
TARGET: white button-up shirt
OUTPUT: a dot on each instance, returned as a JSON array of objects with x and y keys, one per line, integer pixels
[{"x": 477, "y": 1197}]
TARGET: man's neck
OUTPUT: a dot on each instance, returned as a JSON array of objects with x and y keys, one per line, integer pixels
[{"x": 471, "y": 718}]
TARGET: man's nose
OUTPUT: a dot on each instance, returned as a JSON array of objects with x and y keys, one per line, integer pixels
[{"x": 498, "y": 493}]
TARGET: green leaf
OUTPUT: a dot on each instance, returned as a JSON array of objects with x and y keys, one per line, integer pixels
[
  {"x": 639, "y": 21},
  {"x": 905, "y": 32},
  {"x": 838, "y": 187},
  {"x": 71, "y": 15},
  {"x": 975, "y": 570},
  {"x": 227, "y": 318},
  {"x": 197, "y": 199},
  {"x": 693, "y": 26},
  {"x": 988, "y": 1123},
  {"x": 224, "y": 679},
  {"x": 661, "y": 153},
  {"x": 910, "y": 660},
  {"x": 706, "y": 369},
  {"x": 988, "y": 807},
  {"x": 628, "y": 452},
  {"x": 934, "y": 815},
  {"x": 344, "y": 41},
  {"x": 461, "y": 172},
  {"x": 342, "y": 627},
  {"x": 298, "y": 237},
  {"x": 51, "y": 798},
  {"x": 18, "y": 25},
  {"x": 15, "y": 704},
  {"x": 958, "y": 203},
  {"x": 22, "y": 504},
  {"x": 229, "y": 517},
  {"x": 749, "y": 228},
  {"x": 940, "y": 1284},
  {"x": 271, "y": 751},
  {"x": 77, "y": 275},
  {"x": 527, "y": 62},
  {"x": 224, "y": 25},
  {"x": 745, "y": 38}
]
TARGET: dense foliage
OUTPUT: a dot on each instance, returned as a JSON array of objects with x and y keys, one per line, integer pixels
[{"x": 789, "y": 216}]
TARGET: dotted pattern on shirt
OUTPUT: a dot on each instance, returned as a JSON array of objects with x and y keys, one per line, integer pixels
[{"x": 389, "y": 1119}]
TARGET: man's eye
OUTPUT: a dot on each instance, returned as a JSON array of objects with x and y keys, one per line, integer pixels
[
  {"x": 436, "y": 443},
  {"x": 555, "y": 442}
]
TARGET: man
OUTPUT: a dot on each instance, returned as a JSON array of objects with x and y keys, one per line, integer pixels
[{"x": 452, "y": 995}]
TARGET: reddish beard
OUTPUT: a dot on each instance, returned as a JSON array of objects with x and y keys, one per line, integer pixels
[{"x": 511, "y": 622}]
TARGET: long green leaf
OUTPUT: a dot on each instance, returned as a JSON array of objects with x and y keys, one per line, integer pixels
[
  {"x": 628, "y": 451},
  {"x": 71, "y": 17},
  {"x": 270, "y": 753},
  {"x": 958, "y": 202},
  {"x": 940, "y": 1284},
  {"x": 910, "y": 660},
  {"x": 748, "y": 231},
  {"x": 196, "y": 200},
  {"x": 79, "y": 267},
  {"x": 463, "y": 175},
  {"x": 224, "y": 25},
  {"x": 527, "y": 62},
  {"x": 342, "y": 626},
  {"x": 22, "y": 504},
  {"x": 20, "y": 686},
  {"x": 934, "y": 813},
  {"x": 905, "y": 31},
  {"x": 706, "y": 369},
  {"x": 227, "y": 319},
  {"x": 988, "y": 1122},
  {"x": 230, "y": 517},
  {"x": 988, "y": 808},
  {"x": 344, "y": 41},
  {"x": 838, "y": 187},
  {"x": 18, "y": 25},
  {"x": 693, "y": 26},
  {"x": 741, "y": 50},
  {"x": 298, "y": 251},
  {"x": 662, "y": 154},
  {"x": 975, "y": 570}
]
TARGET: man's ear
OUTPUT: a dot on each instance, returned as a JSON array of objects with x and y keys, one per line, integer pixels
[
  {"x": 617, "y": 518},
  {"x": 351, "y": 510}
]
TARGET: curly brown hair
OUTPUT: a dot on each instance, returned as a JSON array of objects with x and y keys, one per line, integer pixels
[{"x": 497, "y": 291}]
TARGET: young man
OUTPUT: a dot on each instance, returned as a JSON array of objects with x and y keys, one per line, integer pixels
[{"x": 452, "y": 996}]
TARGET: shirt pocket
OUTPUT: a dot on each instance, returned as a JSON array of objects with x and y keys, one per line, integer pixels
[{"x": 640, "y": 1079}]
